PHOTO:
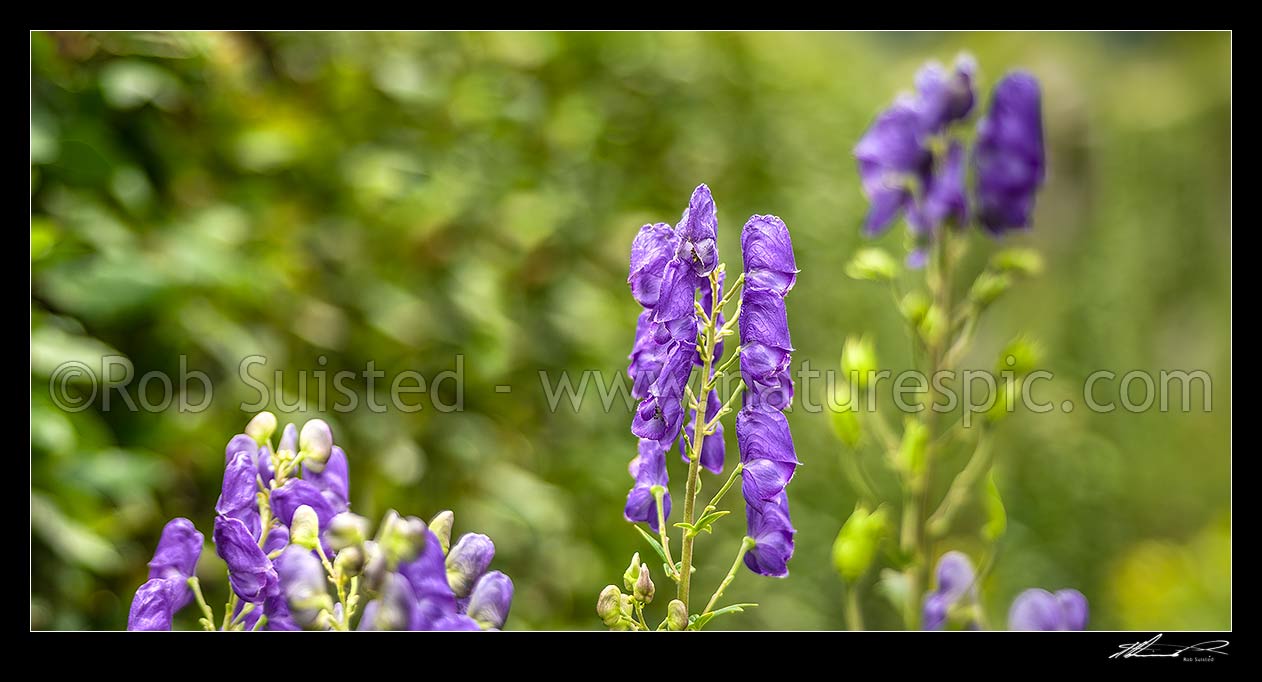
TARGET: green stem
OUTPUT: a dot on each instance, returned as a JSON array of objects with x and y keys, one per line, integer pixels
[
  {"x": 714, "y": 501},
  {"x": 208, "y": 621},
  {"x": 260, "y": 623},
  {"x": 227, "y": 611},
  {"x": 854, "y": 612},
  {"x": 658, "y": 494},
  {"x": 746, "y": 544},
  {"x": 978, "y": 464},
  {"x": 725, "y": 409}
]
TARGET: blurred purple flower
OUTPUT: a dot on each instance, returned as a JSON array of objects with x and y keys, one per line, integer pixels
[
  {"x": 956, "y": 585},
  {"x": 1037, "y": 609},
  {"x": 491, "y": 599},
  {"x": 944, "y": 98},
  {"x": 1008, "y": 155},
  {"x": 892, "y": 155}
]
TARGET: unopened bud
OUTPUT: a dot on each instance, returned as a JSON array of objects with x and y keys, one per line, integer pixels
[
  {"x": 316, "y": 444},
  {"x": 1025, "y": 262},
  {"x": 644, "y": 585},
  {"x": 856, "y": 544},
  {"x": 349, "y": 561},
  {"x": 872, "y": 264},
  {"x": 910, "y": 457},
  {"x": 261, "y": 427},
  {"x": 347, "y": 530},
  {"x": 375, "y": 569},
  {"x": 988, "y": 287},
  {"x": 609, "y": 605},
  {"x": 401, "y": 539},
  {"x": 441, "y": 526},
  {"x": 468, "y": 561},
  {"x": 858, "y": 360},
  {"x": 914, "y": 307},
  {"x": 304, "y": 530},
  {"x": 676, "y": 616},
  {"x": 933, "y": 326},
  {"x": 632, "y": 573}
]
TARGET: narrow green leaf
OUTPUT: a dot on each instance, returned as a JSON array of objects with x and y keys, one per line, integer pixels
[{"x": 657, "y": 546}]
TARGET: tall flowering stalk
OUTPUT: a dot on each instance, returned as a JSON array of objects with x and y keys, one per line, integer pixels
[
  {"x": 676, "y": 276},
  {"x": 298, "y": 559},
  {"x": 914, "y": 163}
]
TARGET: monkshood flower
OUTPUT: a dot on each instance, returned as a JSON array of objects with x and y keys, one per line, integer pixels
[
  {"x": 772, "y": 532},
  {"x": 153, "y": 607},
  {"x": 697, "y": 232},
  {"x": 175, "y": 559},
  {"x": 957, "y": 588},
  {"x": 238, "y": 498},
  {"x": 660, "y": 416},
  {"x": 712, "y": 449},
  {"x": 765, "y": 347},
  {"x": 304, "y": 586},
  {"x": 296, "y": 492},
  {"x": 646, "y": 357},
  {"x": 944, "y": 98},
  {"x": 1008, "y": 154},
  {"x": 1037, "y": 609},
  {"x": 652, "y": 248},
  {"x": 333, "y": 482},
  {"x": 491, "y": 599},
  {"x": 467, "y": 562},
  {"x": 675, "y": 314},
  {"x": 649, "y": 471},
  {"x": 250, "y": 572},
  {"x": 893, "y": 155},
  {"x": 768, "y": 253}
]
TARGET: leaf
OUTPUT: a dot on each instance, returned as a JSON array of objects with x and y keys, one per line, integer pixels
[
  {"x": 657, "y": 546},
  {"x": 705, "y": 618},
  {"x": 996, "y": 517},
  {"x": 703, "y": 523}
]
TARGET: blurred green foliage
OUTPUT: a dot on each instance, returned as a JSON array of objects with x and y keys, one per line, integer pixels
[{"x": 326, "y": 200}]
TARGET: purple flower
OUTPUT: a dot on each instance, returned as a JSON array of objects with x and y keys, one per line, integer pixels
[
  {"x": 649, "y": 469},
  {"x": 175, "y": 559},
  {"x": 153, "y": 607},
  {"x": 650, "y": 251},
  {"x": 768, "y": 254},
  {"x": 491, "y": 599},
  {"x": 646, "y": 357},
  {"x": 238, "y": 498},
  {"x": 892, "y": 155},
  {"x": 763, "y": 319},
  {"x": 677, "y": 299},
  {"x": 333, "y": 482},
  {"x": 1037, "y": 609},
  {"x": 697, "y": 231},
  {"x": 427, "y": 574},
  {"x": 241, "y": 443},
  {"x": 768, "y": 525},
  {"x": 944, "y": 199},
  {"x": 1008, "y": 155},
  {"x": 250, "y": 572},
  {"x": 957, "y": 585},
  {"x": 304, "y": 585},
  {"x": 707, "y": 304},
  {"x": 661, "y": 415},
  {"x": 467, "y": 561},
  {"x": 296, "y": 492},
  {"x": 712, "y": 448},
  {"x": 457, "y": 623},
  {"x": 277, "y": 538},
  {"x": 396, "y": 609},
  {"x": 288, "y": 439},
  {"x": 943, "y": 98},
  {"x": 767, "y": 452}
]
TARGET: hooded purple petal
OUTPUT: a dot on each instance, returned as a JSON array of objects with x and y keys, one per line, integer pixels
[
  {"x": 240, "y": 486},
  {"x": 304, "y": 585},
  {"x": 427, "y": 574},
  {"x": 250, "y": 572},
  {"x": 1037, "y": 609},
  {"x": 334, "y": 481},
  {"x": 1008, "y": 155},
  {"x": 769, "y": 525},
  {"x": 646, "y": 357},
  {"x": 942, "y": 97},
  {"x": 763, "y": 479},
  {"x": 491, "y": 599},
  {"x": 293, "y": 494},
  {"x": 650, "y": 251},
  {"x": 467, "y": 562},
  {"x": 768, "y": 254},
  {"x": 956, "y": 583},
  {"x": 698, "y": 232},
  {"x": 764, "y": 434},
  {"x": 649, "y": 469},
  {"x": 175, "y": 559},
  {"x": 678, "y": 295},
  {"x": 891, "y": 154},
  {"x": 764, "y": 319},
  {"x": 153, "y": 607}
]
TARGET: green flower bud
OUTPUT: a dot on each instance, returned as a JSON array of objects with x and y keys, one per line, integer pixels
[
  {"x": 609, "y": 605},
  {"x": 1025, "y": 262},
  {"x": 304, "y": 530},
  {"x": 401, "y": 539},
  {"x": 375, "y": 569},
  {"x": 632, "y": 573},
  {"x": 933, "y": 326},
  {"x": 989, "y": 286},
  {"x": 910, "y": 457},
  {"x": 872, "y": 264},
  {"x": 914, "y": 307},
  {"x": 315, "y": 443},
  {"x": 627, "y": 606},
  {"x": 676, "y": 616},
  {"x": 347, "y": 530},
  {"x": 1021, "y": 356},
  {"x": 858, "y": 360},
  {"x": 644, "y": 588},
  {"x": 441, "y": 526},
  {"x": 349, "y": 562},
  {"x": 857, "y": 542},
  {"x": 845, "y": 420},
  {"x": 261, "y": 427}
]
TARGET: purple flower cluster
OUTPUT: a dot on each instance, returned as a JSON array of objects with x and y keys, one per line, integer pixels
[
  {"x": 910, "y": 165},
  {"x": 285, "y": 537},
  {"x": 1033, "y": 609},
  {"x": 667, "y": 267},
  {"x": 768, "y": 457}
]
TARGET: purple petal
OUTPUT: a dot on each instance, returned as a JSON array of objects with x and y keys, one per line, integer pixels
[
  {"x": 764, "y": 434},
  {"x": 175, "y": 559},
  {"x": 467, "y": 562},
  {"x": 153, "y": 607},
  {"x": 764, "y": 319},
  {"x": 293, "y": 494},
  {"x": 491, "y": 599},
  {"x": 427, "y": 575},
  {"x": 651, "y": 249},
  {"x": 698, "y": 232},
  {"x": 769, "y": 525},
  {"x": 678, "y": 294},
  {"x": 1008, "y": 155},
  {"x": 1073, "y": 607},
  {"x": 1035, "y": 609},
  {"x": 334, "y": 481},
  {"x": 768, "y": 254},
  {"x": 240, "y": 485},
  {"x": 763, "y": 479},
  {"x": 250, "y": 572}
]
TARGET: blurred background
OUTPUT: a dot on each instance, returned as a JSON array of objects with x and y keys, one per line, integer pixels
[{"x": 329, "y": 199}]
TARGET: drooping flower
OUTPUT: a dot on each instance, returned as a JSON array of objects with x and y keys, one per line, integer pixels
[
  {"x": 660, "y": 416},
  {"x": 304, "y": 585},
  {"x": 653, "y": 247},
  {"x": 334, "y": 481},
  {"x": 698, "y": 231},
  {"x": 1037, "y": 609},
  {"x": 956, "y": 587},
  {"x": 238, "y": 498},
  {"x": 250, "y": 572},
  {"x": 176, "y": 557},
  {"x": 649, "y": 469},
  {"x": 646, "y": 357},
  {"x": 771, "y": 530},
  {"x": 153, "y": 607},
  {"x": 768, "y": 253},
  {"x": 713, "y": 447},
  {"x": 765, "y": 345},
  {"x": 944, "y": 200},
  {"x": 944, "y": 98},
  {"x": 467, "y": 562},
  {"x": 427, "y": 574},
  {"x": 1008, "y": 155},
  {"x": 491, "y": 599},
  {"x": 767, "y": 453},
  {"x": 676, "y": 302}
]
